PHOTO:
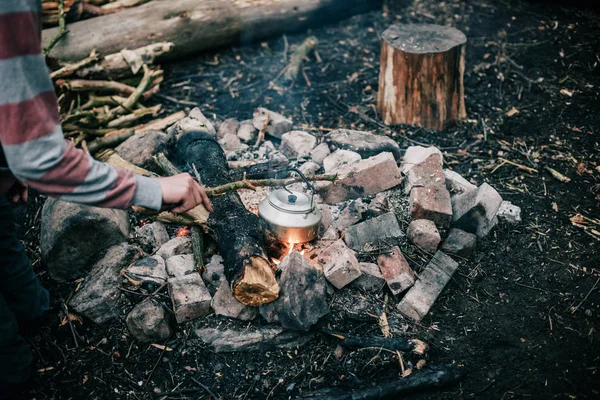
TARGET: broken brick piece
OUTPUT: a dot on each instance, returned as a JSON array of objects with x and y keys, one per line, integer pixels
[
  {"x": 371, "y": 279},
  {"x": 190, "y": 297},
  {"x": 475, "y": 211},
  {"x": 339, "y": 264},
  {"x": 418, "y": 300},
  {"x": 396, "y": 271},
  {"x": 459, "y": 243},
  {"x": 376, "y": 233},
  {"x": 427, "y": 173},
  {"x": 363, "y": 178},
  {"x": 432, "y": 203},
  {"x": 415, "y": 155},
  {"x": 424, "y": 234}
]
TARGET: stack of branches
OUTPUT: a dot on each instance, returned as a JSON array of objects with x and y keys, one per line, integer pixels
[
  {"x": 101, "y": 99},
  {"x": 54, "y": 10}
]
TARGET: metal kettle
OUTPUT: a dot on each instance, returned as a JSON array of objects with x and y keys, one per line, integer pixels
[{"x": 292, "y": 215}]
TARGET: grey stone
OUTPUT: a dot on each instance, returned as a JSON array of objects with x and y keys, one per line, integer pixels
[
  {"x": 177, "y": 245},
  {"x": 377, "y": 233},
  {"x": 262, "y": 339},
  {"x": 278, "y": 124},
  {"x": 151, "y": 236},
  {"x": 195, "y": 121},
  {"x": 475, "y": 212},
  {"x": 229, "y": 127},
  {"x": 396, "y": 271},
  {"x": 180, "y": 265},
  {"x": 319, "y": 153},
  {"x": 432, "y": 203},
  {"x": 363, "y": 178},
  {"x": 303, "y": 293},
  {"x": 417, "y": 302},
  {"x": 427, "y": 173},
  {"x": 309, "y": 168},
  {"x": 148, "y": 321},
  {"x": 190, "y": 297},
  {"x": 247, "y": 132},
  {"x": 510, "y": 213},
  {"x": 415, "y": 155},
  {"x": 459, "y": 243},
  {"x": 364, "y": 143},
  {"x": 456, "y": 184},
  {"x": 230, "y": 142},
  {"x": 371, "y": 279},
  {"x": 296, "y": 144},
  {"x": 99, "y": 297},
  {"x": 148, "y": 271},
  {"x": 339, "y": 264},
  {"x": 224, "y": 303},
  {"x": 73, "y": 237},
  {"x": 351, "y": 214},
  {"x": 424, "y": 234},
  {"x": 141, "y": 147},
  {"x": 340, "y": 158},
  {"x": 214, "y": 272}
]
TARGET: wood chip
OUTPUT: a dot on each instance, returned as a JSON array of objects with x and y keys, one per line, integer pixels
[
  {"x": 511, "y": 112},
  {"x": 557, "y": 175},
  {"x": 566, "y": 92}
]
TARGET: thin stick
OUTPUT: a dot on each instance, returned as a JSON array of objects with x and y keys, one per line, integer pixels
[
  {"x": 519, "y": 166},
  {"x": 205, "y": 388},
  {"x": 62, "y": 28},
  {"x": 298, "y": 57},
  {"x": 198, "y": 248},
  {"x": 66, "y": 311},
  {"x": 163, "y": 163},
  {"x": 83, "y": 85},
  {"x": 586, "y": 296},
  {"x": 251, "y": 184},
  {"x": 110, "y": 140},
  {"x": 70, "y": 69},
  {"x": 261, "y": 133}
]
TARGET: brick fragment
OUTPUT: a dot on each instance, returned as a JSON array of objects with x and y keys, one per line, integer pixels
[
  {"x": 459, "y": 243},
  {"x": 432, "y": 203},
  {"x": 376, "y": 233},
  {"x": 424, "y": 234},
  {"x": 475, "y": 211},
  {"x": 396, "y": 271},
  {"x": 190, "y": 297},
  {"x": 339, "y": 264}
]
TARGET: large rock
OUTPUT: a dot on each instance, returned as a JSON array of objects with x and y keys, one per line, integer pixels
[
  {"x": 175, "y": 246},
  {"x": 190, "y": 297},
  {"x": 377, "y": 233},
  {"x": 319, "y": 153},
  {"x": 214, "y": 271},
  {"x": 141, "y": 147},
  {"x": 396, "y": 271},
  {"x": 296, "y": 144},
  {"x": 278, "y": 124},
  {"x": 247, "y": 132},
  {"x": 73, "y": 237},
  {"x": 180, "y": 265},
  {"x": 364, "y": 143},
  {"x": 415, "y": 155},
  {"x": 456, "y": 184},
  {"x": 340, "y": 158},
  {"x": 303, "y": 294},
  {"x": 424, "y": 234},
  {"x": 265, "y": 338},
  {"x": 224, "y": 303},
  {"x": 230, "y": 142},
  {"x": 363, "y": 178},
  {"x": 148, "y": 321},
  {"x": 432, "y": 280},
  {"x": 195, "y": 121},
  {"x": 151, "y": 236},
  {"x": 339, "y": 264},
  {"x": 432, "y": 203},
  {"x": 475, "y": 211},
  {"x": 510, "y": 213},
  {"x": 229, "y": 127},
  {"x": 99, "y": 297},
  {"x": 309, "y": 168},
  {"x": 150, "y": 272}
]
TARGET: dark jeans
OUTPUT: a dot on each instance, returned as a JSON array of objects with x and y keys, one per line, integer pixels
[{"x": 22, "y": 300}]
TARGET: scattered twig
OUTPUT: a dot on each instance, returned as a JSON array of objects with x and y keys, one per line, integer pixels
[
  {"x": 70, "y": 69},
  {"x": 205, "y": 388},
  {"x": 252, "y": 184},
  {"x": 66, "y": 311},
  {"x": 62, "y": 28},
  {"x": 261, "y": 132},
  {"x": 519, "y": 166},
  {"x": 302, "y": 51}
]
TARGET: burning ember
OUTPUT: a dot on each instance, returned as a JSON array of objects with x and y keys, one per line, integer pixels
[
  {"x": 291, "y": 246},
  {"x": 185, "y": 231}
]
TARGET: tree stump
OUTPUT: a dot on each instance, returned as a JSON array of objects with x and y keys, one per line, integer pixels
[{"x": 421, "y": 77}]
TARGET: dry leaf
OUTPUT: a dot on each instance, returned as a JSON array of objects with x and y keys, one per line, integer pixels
[
  {"x": 566, "y": 92},
  {"x": 407, "y": 373},
  {"x": 72, "y": 317},
  {"x": 47, "y": 369},
  {"x": 555, "y": 206},
  {"x": 188, "y": 368},
  {"x": 511, "y": 112},
  {"x": 84, "y": 380}
]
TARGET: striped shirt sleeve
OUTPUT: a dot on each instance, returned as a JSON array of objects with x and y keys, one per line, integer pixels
[{"x": 30, "y": 131}]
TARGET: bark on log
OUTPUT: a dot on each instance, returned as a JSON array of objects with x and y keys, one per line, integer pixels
[
  {"x": 194, "y": 26},
  {"x": 421, "y": 76},
  {"x": 241, "y": 235}
]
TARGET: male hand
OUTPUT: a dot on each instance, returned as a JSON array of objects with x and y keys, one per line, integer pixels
[
  {"x": 183, "y": 192},
  {"x": 18, "y": 192}
]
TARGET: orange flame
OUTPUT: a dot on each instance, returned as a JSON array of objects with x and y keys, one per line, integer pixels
[{"x": 185, "y": 231}]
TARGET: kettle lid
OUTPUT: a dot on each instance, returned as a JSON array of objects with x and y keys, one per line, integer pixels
[{"x": 291, "y": 201}]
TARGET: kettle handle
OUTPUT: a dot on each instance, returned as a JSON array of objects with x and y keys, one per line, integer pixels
[{"x": 308, "y": 184}]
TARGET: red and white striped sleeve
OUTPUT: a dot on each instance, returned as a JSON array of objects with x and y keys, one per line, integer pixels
[{"x": 30, "y": 132}]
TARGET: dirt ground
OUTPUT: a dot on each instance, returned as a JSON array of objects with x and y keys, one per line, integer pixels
[{"x": 521, "y": 315}]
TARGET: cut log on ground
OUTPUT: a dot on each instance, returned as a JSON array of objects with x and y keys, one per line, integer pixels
[
  {"x": 194, "y": 26},
  {"x": 241, "y": 235},
  {"x": 421, "y": 76},
  {"x": 433, "y": 377}
]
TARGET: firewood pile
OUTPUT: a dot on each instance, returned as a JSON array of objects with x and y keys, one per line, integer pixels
[{"x": 73, "y": 10}]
